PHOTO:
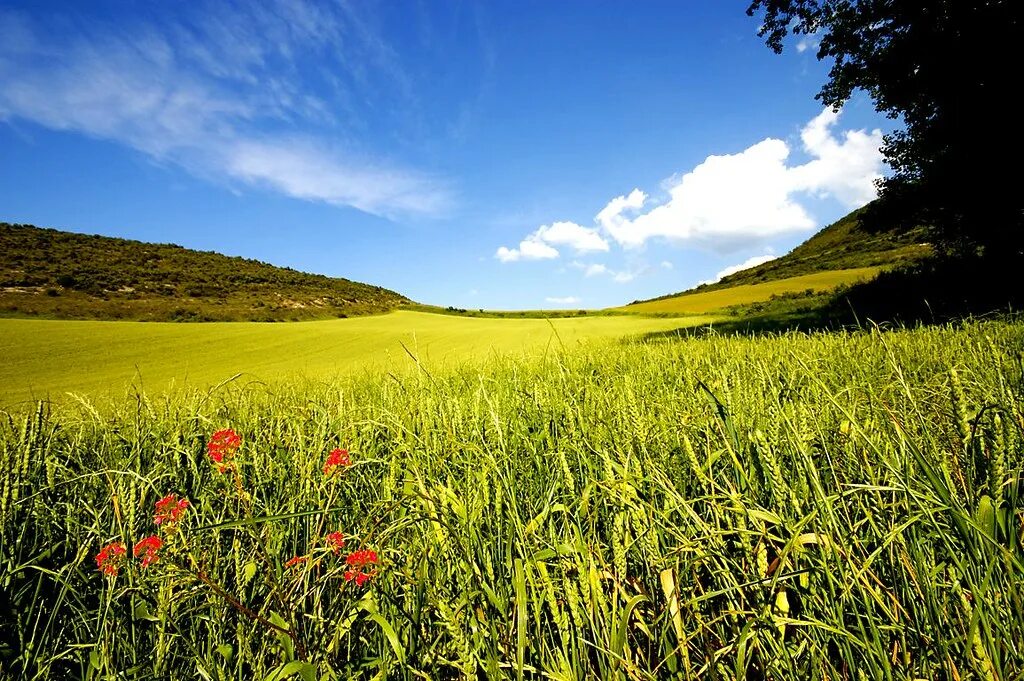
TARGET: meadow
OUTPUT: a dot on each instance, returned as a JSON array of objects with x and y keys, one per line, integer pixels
[
  {"x": 840, "y": 506},
  {"x": 45, "y": 359}
]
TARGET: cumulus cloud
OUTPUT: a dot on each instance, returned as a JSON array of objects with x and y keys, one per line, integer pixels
[
  {"x": 745, "y": 265},
  {"x": 729, "y": 200},
  {"x": 752, "y": 261},
  {"x": 581, "y": 239},
  {"x": 843, "y": 167},
  {"x": 529, "y": 249},
  {"x": 567, "y": 300},
  {"x": 223, "y": 97},
  {"x": 612, "y": 213},
  {"x": 540, "y": 244}
]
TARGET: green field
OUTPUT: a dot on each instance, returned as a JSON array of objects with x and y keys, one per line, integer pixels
[
  {"x": 826, "y": 506},
  {"x": 717, "y": 300},
  {"x": 46, "y": 358}
]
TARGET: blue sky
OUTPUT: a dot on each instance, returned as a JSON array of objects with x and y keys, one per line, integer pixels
[{"x": 496, "y": 154}]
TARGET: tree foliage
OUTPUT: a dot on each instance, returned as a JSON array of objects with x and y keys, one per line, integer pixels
[{"x": 946, "y": 70}]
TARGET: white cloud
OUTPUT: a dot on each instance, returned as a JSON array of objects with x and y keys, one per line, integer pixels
[
  {"x": 618, "y": 276},
  {"x": 745, "y": 265},
  {"x": 666, "y": 265},
  {"x": 808, "y": 42},
  {"x": 538, "y": 244},
  {"x": 299, "y": 169},
  {"x": 567, "y": 300},
  {"x": 581, "y": 239},
  {"x": 529, "y": 249},
  {"x": 612, "y": 213},
  {"x": 845, "y": 168},
  {"x": 223, "y": 97},
  {"x": 727, "y": 201}
]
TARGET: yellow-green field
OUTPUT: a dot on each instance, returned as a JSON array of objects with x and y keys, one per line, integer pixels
[
  {"x": 817, "y": 506},
  {"x": 710, "y": 301},
  {"x": 47, "y": 358}
]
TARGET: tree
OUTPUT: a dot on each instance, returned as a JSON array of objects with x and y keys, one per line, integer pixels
[{"x": 949, "y": 71}]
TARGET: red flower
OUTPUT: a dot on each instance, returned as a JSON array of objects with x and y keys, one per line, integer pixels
[
  {"x": 222, "y": 447},
  {"x": 110, "y": 557},
  {"x": 359, "y": 566},
  {"x": 359, "y": 577},
  {"x": 170, "y": 509},
  {"x": 337, "y": 457},
  {"x": 148, "y": 548},
  {"x": 335, "y": 540},
  {"x": 296, "y": 561},
  {"x": 362, "y": 558}
]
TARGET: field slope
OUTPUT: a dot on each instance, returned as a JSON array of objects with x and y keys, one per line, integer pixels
[
  {"x": 702, "y": 302},
  {"x": 50, "y": 273},
  {"x": 844, "y": 253},
  {"x": 47, "y": 358}
]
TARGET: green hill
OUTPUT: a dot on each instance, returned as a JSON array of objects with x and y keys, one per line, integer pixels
[
  {"x": 841, "y": 254},
  {"x": 50, "y": 273}
]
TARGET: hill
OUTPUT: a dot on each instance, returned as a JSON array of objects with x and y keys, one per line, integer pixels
[
  {"x": 56, "y": 274},
  {"x": 840, "y": 255}
]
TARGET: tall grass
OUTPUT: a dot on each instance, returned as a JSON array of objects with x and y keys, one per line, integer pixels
[{"x": 801, "y": 506}]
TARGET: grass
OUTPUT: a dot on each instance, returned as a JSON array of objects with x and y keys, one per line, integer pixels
[
  {"x": 798, "y": 506},
  {"x": 745, "y": 294},
  {"x": 46, "y": 358}
]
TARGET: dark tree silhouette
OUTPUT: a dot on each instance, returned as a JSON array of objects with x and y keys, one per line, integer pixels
[{"x": 949, "y": 71}]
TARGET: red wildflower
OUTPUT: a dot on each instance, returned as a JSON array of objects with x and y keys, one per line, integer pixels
[
  {"x": 297, "y": 560},
  {"x": 362, "y": 558},
  {"x": 359, "y": 566},
  {"x": 169, "y": 510},
  {"x": 335, "y": 540},
  {"x": 222, "y": 447},
  {"x": 359, "y": 577},
  {"x": 337, "y": 458},
  {"x": 148, "y": 548},
  {"x": 110, "y": 557}
]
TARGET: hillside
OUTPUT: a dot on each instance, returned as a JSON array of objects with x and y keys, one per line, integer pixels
[
  {"x": 749, "y": 298},
  {"x": 50, "y": 273},
  {"x": 844, "y": 249}
]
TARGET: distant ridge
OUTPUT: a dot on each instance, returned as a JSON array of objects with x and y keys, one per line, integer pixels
[{"x": 63, "y": 275}]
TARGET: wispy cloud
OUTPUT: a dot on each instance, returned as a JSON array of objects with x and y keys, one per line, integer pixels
[
  {"x": 618, "y": 276},
  {"x": 567, "y": 300},
  {"x": 250, "y": 94},
  {"x": 808, "y": 42}
]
